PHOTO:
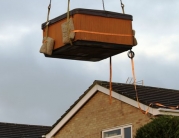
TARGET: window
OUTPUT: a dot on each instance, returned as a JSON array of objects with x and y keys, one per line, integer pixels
[{"x": 118, "y": 132}]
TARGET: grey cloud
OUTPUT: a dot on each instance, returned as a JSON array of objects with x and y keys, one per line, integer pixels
[{"x": 38, "y": 90}]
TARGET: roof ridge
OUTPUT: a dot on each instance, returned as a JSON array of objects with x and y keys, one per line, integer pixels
[
  {"x": 100, "y": 81},
  {"x": 23, "y": 124}
]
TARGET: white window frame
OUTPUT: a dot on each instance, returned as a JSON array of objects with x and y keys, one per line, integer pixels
[{"x": 116, "y": 128}]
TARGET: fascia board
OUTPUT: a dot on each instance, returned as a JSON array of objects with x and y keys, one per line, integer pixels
[{"x": 165, "y": 111}]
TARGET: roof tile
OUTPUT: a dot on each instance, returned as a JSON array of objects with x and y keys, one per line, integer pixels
[{"x": 9, "y": 130}]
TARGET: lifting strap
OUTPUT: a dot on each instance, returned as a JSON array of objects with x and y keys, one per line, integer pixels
[
  {"x": 122, "y": 6},
  {"x": 48, "y": 14},
  {"x": 110, "y": 80},
  {"x": 68, "y": 22},
  {"x": 135, "y": 87},
  {"x": 91, "y": 32},
  {"x": 131, "y": 55},
  {"x": 48, "y": 42}
]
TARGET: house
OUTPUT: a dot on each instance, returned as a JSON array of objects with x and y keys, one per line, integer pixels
[
  {"x": 92, "y": 116},
  {"x": 9, "y": 130}
]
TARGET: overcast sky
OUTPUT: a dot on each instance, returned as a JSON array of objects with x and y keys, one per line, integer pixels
[{"x": 38, "y": 90}]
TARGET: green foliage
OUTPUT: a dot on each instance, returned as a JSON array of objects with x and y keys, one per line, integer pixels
[{"x": 160, "y": 127}]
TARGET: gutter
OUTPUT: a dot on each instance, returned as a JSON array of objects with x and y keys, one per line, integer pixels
[{"x": 168, "y": 110}]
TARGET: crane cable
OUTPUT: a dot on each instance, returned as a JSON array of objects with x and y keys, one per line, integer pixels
[
  {"x": 122, "y": 6},
  {"x": 49, "y": 7},
  {"x": 103, "y": 5},
  {"x": 47, "y": 23}
]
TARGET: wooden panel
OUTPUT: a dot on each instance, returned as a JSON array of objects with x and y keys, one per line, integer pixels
[
  {"x": 95, "y": 24},
  {"x": 104, "y": 25},
  {"x": 55, "y": 32}
]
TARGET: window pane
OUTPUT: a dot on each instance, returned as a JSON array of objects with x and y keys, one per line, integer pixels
[
  {"x": 127, "y": 132},
  {"x": 112, "y": 133}
]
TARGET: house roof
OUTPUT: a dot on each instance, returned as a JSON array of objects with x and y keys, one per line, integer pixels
[
  {"x": 9, "y": 130},
  {"x": 146, "y": 95}
]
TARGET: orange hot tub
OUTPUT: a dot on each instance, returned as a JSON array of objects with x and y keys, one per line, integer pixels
[{"x": 98, "y": 35}]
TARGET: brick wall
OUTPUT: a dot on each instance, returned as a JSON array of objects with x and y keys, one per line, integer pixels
[{"x": 97, "y": 115}]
